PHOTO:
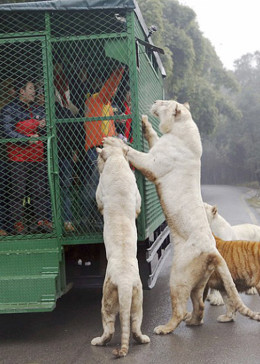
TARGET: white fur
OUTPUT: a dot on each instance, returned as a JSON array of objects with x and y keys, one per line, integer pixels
[
  {"x": 119, "y": 201},
  {"x": 219, "y": 226},
  {"x": 173, "y": 165},
  {"x": 222, "y": 229},
  {"x": 247, "y": 232}
]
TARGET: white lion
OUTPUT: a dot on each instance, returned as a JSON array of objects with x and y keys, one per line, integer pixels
[
  {"x": 223, "y": 230},
  {"x": 173, "y": 165},
  {"x": 119, "y": 201}
]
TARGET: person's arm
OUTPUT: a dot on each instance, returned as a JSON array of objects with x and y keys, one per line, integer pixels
[
  {"x": 110, "y": 86},
  {"x": 9, "y": 126}
]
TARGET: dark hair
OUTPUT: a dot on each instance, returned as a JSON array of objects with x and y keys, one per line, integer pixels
[{"x": 21, "y": 83}]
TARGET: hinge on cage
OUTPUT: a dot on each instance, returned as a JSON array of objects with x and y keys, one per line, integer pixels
[
  {"x": 26, "y": 201},
  {"x": 150, "y": 46}
]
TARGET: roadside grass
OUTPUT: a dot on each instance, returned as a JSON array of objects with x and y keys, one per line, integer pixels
[
  {"x": 255, "y": 200},
  {"x": 254, "y": 193}
]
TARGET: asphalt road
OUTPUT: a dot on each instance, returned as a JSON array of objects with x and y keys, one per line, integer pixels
[{"x": 63, "y": 336}]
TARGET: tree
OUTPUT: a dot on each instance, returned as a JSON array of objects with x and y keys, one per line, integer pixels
[{"x": 195, "y": 73}]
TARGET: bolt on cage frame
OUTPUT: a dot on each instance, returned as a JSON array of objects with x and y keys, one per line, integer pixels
[{"x": 60, "y": 60}]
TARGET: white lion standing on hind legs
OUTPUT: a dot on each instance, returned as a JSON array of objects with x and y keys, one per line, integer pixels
[
  {"x": 119, "y": 201},
  {"x": 223, "y": 230},
  {"x": 173, "y": 165}
]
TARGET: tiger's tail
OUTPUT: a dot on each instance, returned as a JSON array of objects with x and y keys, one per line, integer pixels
[{"x": 222, "y": 268}]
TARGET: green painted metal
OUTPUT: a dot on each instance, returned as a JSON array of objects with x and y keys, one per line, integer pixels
[
  {"x": 57, "y": 5},
  {"x": 49, "y": 45},
  {"x": 30, "y": 278}
]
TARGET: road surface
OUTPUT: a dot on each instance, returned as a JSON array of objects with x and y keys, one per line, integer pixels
[{"x": 63, "y": 336}]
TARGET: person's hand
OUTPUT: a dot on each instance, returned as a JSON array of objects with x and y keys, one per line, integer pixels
[
  {"x": 121, "y": 121},
  {"x": 75, "y": 156},
  {"x": 33, "y": 141},
  {"x": 42, "y": 123}
]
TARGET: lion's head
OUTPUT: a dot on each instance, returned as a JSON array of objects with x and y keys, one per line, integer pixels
[
  {"x": 169, "y": 112},
  {"x": 107, "y": 152}
]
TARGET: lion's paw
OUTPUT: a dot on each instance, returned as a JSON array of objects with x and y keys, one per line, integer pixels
[
  {"x": 146, "y": 125},
  {"x": 251, "y": 291},
  {"x": 162, "y": 330},
  {"x": 215, "y": 299},
  {"x": 193, "y": 322},
  {"x": 225, "y": 318},
  {"x": 97, "y": 341},
  {"x": 145, "y": 339},
  {"x": 120, "y": 353},
  {"x": 113, "y": 142},
  {"x": 141, "y": 339}
]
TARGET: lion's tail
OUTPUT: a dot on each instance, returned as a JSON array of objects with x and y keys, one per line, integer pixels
[
  {"x": 231, "y": 290},
  {"x": 125, "y": 294}
]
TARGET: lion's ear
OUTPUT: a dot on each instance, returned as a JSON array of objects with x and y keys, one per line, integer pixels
[
  {"x": 177, "y": 111},
  {"x": 187, "y": 105},
  {"x": 214, "y": 210}
]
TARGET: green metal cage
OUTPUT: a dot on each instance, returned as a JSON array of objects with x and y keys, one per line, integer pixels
[{"x": 71, "y": 72}]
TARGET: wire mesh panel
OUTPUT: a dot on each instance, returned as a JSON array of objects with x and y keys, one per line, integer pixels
[
  {"x": 85, "y": 80},
  {"x": 67, "y": 80},
  {"x": 150, "y": 89},
  {"x": 24, "y": 185},
  {"x": 87, "y": 23},
  {"x": 10, "y": 24},
  {"x": 92, "y": 101}
]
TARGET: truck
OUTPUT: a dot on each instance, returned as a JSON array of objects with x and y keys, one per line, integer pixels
[{"x": 70, "y": 51}]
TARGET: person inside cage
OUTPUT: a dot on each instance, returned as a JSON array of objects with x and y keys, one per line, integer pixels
[
  {"x": 23, "y": 120},
  {"x": 98, "y": 105},
  {"x": 70, "y": 138},
  {"x": 79, "y": 88},
  {"x": 124, "y": 126},
  {"x": 7, "y": 94},
  {"x": 70, "y": 141},
  {"x": 62, "y": 88}
]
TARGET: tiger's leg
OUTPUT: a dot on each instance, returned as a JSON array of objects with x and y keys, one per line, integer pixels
[
  {"x": 137, "y": 315},
  {"x": 215, "y": 298},
  {"x": 109, "y": 311},
  {"x": 257, "y": 287},
  {"x": 251, "y": 291},
  {"x": 230, "y": 314}
]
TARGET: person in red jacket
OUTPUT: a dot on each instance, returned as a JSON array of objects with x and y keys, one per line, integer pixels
[{"x": 24, "y": 120}]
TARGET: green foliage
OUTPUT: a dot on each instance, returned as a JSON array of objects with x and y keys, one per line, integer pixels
[
  {"x": 194, "y": 71},
  {"x": 224, "y": 104},
  {"x": 240, "y": 137}
]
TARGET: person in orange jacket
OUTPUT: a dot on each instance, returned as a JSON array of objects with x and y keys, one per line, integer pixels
[{"x": 98, "y": 105}]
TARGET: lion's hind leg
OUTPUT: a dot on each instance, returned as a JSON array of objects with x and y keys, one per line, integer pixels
[
  {"x": 137, "y": 315},
  {"x": 196, "y": 318},
  {"x": 109, "y": 311},
  {"x": 180, "y": 293}
]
